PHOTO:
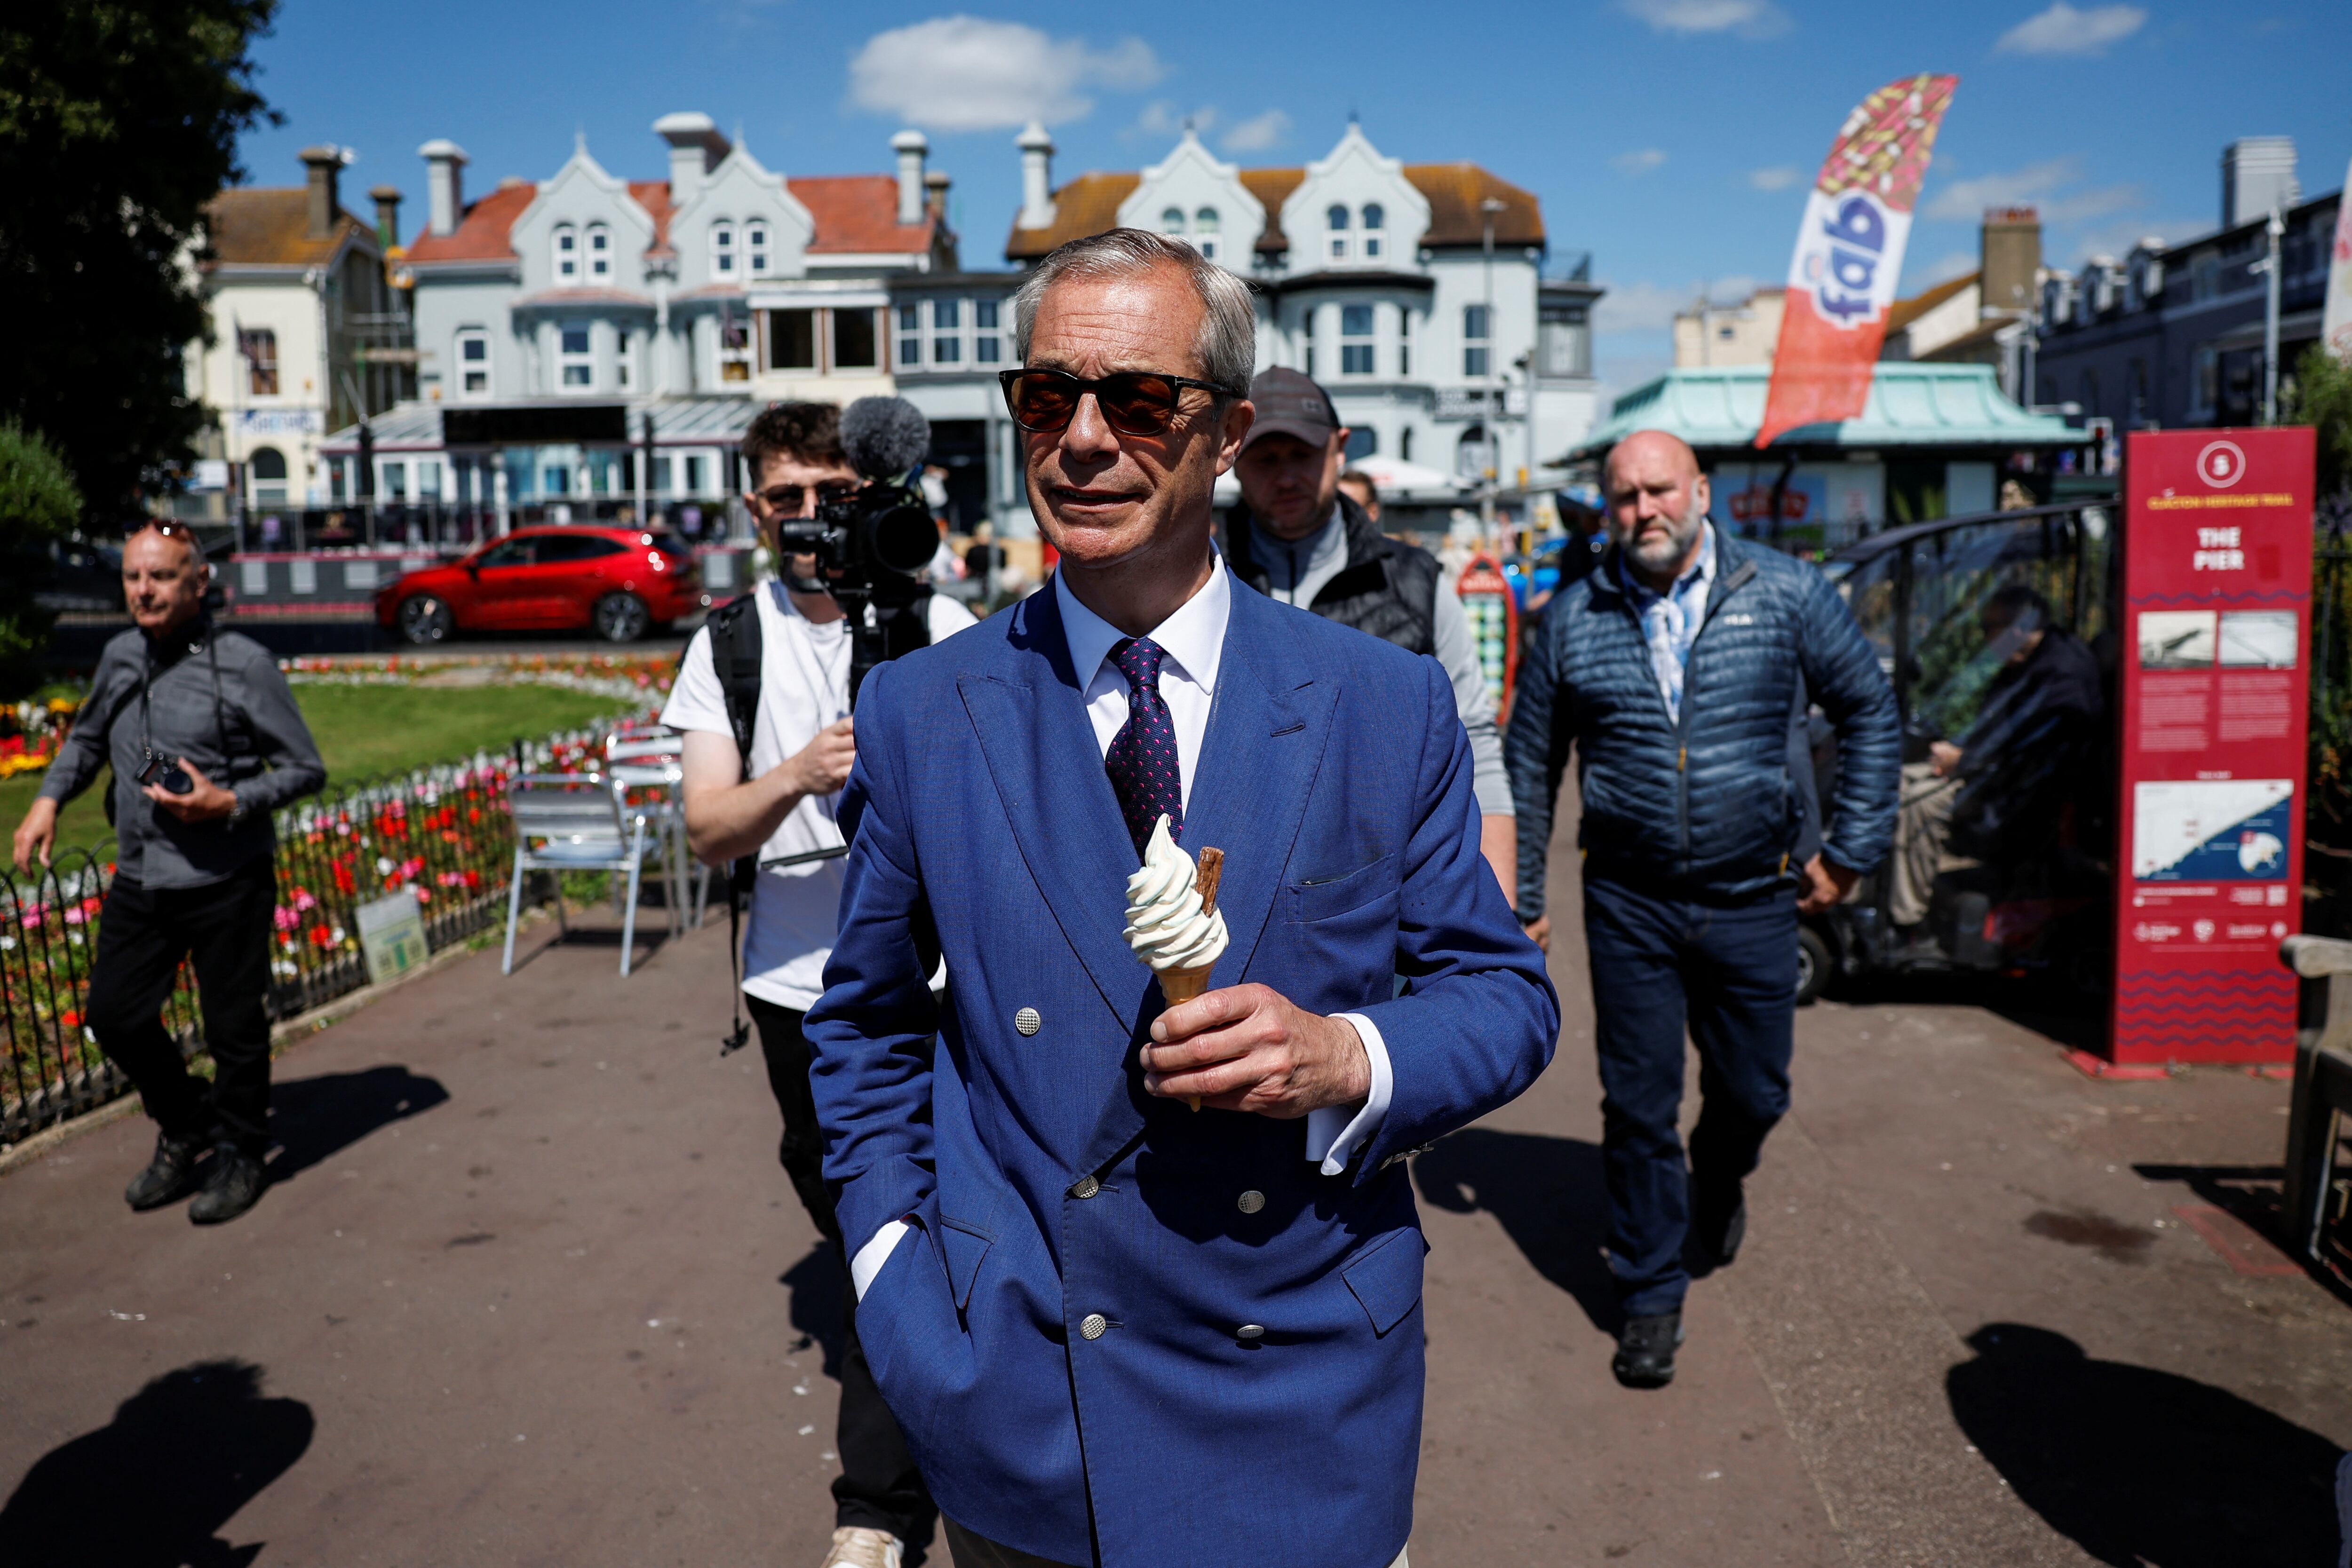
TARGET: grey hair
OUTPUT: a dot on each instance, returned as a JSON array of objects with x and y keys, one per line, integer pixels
[{"x": 1227, "y": 346}]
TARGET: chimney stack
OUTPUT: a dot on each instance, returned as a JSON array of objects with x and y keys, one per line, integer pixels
[
  {"x": 2257, "y": 174},
  {"x": 2008, "y": 261},
  {"x": 444, "y": 180},
  {"x": 695, "y": 149},
  {"x": 387, "y": 214},
  {"x": 910, "y": 146},
  {"x": 1036, "y": 177},
  {"x": 324, "y": 165},
  {"x": 935, "y": 197}
]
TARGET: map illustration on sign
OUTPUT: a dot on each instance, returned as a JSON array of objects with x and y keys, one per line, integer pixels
[
  {"x": 2211, "y": 829},
  {"x": 2175, "y": 639},
  {"x": 2260, "y": 639}
]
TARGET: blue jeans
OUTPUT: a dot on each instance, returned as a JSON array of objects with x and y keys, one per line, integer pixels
[{"x": 1731, "y": 972}]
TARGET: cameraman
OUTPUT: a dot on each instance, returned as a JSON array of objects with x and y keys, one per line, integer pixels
[
  {"x": 788, "y": 647},
  {"x": 206, "y": 742}
]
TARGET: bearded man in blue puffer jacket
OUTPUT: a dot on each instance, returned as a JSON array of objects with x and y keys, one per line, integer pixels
[{"x": 1675, "y": 670}]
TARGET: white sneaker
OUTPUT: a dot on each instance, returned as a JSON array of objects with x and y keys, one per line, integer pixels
[{"x": 855, "y": 1547}]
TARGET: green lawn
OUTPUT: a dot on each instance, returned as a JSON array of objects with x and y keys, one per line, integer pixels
[{"x": 367, "y": 730}]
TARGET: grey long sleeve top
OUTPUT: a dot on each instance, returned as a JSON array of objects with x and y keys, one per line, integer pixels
[
  {"x": 216, "y": 698},
  {"x": 1296, "y": 572}
]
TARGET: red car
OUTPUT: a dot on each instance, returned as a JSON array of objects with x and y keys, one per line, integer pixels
[{"x": 618, "y": 583}]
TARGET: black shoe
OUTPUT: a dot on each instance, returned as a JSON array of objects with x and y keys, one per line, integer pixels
[
  {"x": 170, "y": 1176},
  {"x": 1719, "y": 1225},
  {"x": 1645, "y": 1351},
  {"x": 234, "y": 1185}
]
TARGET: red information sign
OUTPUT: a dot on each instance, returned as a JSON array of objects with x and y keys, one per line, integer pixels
[{"x": 2212, "y": 676}]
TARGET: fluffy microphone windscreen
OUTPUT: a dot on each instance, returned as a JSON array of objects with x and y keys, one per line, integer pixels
[{"x": 884, "y": 436}]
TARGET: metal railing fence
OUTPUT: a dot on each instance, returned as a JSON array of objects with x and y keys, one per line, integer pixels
[{"x": 441, "y": 832}]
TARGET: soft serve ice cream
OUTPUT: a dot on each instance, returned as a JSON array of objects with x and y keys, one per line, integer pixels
[{"x": 1168, "y": 922}]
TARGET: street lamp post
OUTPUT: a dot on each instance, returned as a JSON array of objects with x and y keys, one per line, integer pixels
[
  {"x": 2275, "y": 229},
  {"x": 1488, "y": 210}
]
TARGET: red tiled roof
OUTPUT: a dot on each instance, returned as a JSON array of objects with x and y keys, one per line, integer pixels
[
  {"x": 859, "y": 213},
  {"x": 482, "y": 234},
  {"x": 267, "y": 228},
  {"x": 1090, "y": 205},
  {"x": 854, "y": 213}
]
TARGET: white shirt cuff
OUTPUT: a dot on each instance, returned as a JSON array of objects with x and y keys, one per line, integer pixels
[
  {"x": 872, "y": 1255},
  {"x": 1334, "y": 1134}
]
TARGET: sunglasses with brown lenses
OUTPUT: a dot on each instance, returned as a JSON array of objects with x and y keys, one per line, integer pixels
[{"x": 1133, "y": 403}]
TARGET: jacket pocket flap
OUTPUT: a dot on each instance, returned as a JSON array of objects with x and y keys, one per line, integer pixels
[
  {"x": 963, "y": 1245},
  {"x": 1324, "y": 897},
  {"x": 1386, "y": 1277}
]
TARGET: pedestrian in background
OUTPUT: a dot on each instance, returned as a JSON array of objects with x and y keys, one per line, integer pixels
[
  {"x": 762, "y": 698},
  {"x": 1299, "y": 540},
  {"x": 1674, "y": 669},
  {"x": 205, "y": 744}
]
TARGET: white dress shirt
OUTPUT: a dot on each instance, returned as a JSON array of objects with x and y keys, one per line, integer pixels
[{"x": 1194, "y": 640}]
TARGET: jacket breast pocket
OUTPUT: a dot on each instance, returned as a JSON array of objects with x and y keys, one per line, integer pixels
[
  {"x": 1328, "y": 898},
  {"x": 1385, "y": 1278}
]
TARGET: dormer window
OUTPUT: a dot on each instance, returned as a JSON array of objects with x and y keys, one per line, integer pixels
[
  {"x": 755, "y": 240},
  {"x": 600, "y": 251},
  {"x": 567, "y": 254},
  {"x": 722, "y": 249},
  {"x": 1375, "y": 220},
  {"x": 1204, "y": 232},
  {"x": 1336, "y": 219}
]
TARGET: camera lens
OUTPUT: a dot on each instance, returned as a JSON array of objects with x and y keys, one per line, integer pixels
[
  {"x": 904, "y": 538},
  {"x": 176, "y": 781}
]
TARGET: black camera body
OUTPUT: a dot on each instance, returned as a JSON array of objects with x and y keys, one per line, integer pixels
[{"x": 880, "y": 532}]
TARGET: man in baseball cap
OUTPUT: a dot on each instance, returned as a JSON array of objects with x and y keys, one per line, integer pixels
[{"x": 1298, "y": 539}]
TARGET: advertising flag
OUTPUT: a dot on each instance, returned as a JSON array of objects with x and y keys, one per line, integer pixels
[
  {"x": 1849, "y": 254},
  {"x": 2335, "y": 320}
]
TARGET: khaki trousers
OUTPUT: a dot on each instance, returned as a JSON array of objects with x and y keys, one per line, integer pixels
[{"x": 1922, "y": 824}]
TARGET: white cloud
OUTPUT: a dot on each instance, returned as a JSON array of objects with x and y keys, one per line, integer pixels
[
  {"x": 1256, "y": 134},
  {"x": 1161, "y": 118},
  {"x": 2045, "y": 186},
  {"x": 1775, "y": 179},
  {"x": 1638, "y": 164},
  {"x": 1640, "y": 307},
  {"x": 1748, "y": 19},
  {"x": 967, "y": 73},
  {"x": 2064, "y": 30}
]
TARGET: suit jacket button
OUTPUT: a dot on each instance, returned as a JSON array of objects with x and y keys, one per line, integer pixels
[
  {"x": 1250, "y": 1331},
  {"x": 1251, "y": 1201},
  {"x": 1092, "y": 1325},
  {"x": 1085, "y": 1187},
  {"x": 1028, "y": 1021}
]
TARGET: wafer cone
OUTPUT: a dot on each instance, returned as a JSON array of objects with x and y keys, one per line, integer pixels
[{"x": 1182, "y": 985}]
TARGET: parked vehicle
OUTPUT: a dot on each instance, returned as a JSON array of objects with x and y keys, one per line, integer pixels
[
  {"x": 619, "y": 583},
  {"x": 2025, "y": 883}
]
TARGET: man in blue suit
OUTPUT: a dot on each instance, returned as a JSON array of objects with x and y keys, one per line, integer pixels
[{"x": 1119, "y": 1332}]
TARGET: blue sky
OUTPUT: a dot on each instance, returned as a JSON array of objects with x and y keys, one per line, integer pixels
[{"x": 1672, "y": 139}]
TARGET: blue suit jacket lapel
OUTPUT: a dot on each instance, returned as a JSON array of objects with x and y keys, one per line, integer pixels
[{"x": 1042, "y": 755}]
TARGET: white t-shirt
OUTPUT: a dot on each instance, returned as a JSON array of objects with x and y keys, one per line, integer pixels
[{"x": 803, "y": 687}]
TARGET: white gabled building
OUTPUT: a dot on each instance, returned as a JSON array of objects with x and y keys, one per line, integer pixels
[{"x": 1415, "y": 294}]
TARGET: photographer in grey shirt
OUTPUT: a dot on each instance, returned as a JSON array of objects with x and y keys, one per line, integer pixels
[{"x": 205, "y": 743}]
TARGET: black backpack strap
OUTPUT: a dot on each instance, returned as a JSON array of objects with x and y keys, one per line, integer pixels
[{"x": 735, "y": 651}]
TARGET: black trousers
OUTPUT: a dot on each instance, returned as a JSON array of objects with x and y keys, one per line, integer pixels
[
  {"x": 879, "y": 1487},
  {"x": 222, "y": 929}
]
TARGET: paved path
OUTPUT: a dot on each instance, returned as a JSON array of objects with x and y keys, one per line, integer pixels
[{"x": 532, "y": 1290}]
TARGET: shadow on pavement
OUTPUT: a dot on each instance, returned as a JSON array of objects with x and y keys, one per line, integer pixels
[
  {"x": 2138, "y": 1466},
  {"x": 2064, "y": 1017},
  {"x": 1548, "y": 1193},
  {"x": 313, "y": 1118},
  {"x": 154, "y": 1489},
  {"x": 820, "y": 1289}
]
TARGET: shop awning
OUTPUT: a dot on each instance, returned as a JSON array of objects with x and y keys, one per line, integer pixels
[{"x": 1911, "y": 404}]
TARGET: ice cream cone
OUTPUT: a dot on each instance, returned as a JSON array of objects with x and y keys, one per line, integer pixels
[{"x": 1182, "y": 985}]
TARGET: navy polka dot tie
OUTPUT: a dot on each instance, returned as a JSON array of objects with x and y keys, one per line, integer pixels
[{"x": 1141, "y": 761}]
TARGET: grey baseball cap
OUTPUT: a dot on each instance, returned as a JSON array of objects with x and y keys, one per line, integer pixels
[{"x": 1289, "y": 403}]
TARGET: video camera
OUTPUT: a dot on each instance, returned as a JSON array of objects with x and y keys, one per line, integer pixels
[{"x": 871, "y": 544}]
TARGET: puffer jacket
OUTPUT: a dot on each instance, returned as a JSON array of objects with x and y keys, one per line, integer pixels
[{"x": 1708, "y": 807}]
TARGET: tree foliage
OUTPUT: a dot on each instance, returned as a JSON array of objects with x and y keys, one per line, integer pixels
[
  {"x": 2321, "y": 396},
  {"x": 118, "y": 121},
  {"x": 38, "y": 505}
]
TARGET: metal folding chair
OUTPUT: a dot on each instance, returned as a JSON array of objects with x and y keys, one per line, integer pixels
[
  {"x": 575, "y": 822},
  {"x": 649, "y": 758}
]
